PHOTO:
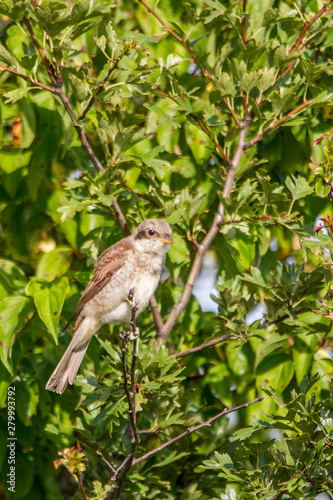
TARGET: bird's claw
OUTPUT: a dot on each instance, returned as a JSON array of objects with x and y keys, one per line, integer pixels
[
  {"x": 130, "y": 296},
  {"x": 134, "y": 334}
]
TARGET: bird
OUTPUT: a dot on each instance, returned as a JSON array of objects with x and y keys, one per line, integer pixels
[{"x": 133, "y": 264}]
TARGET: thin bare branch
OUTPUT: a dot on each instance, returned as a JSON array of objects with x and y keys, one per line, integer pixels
[
  {"x": 156, "y": 313},
  {"x": 233, "y": 112},
  {"x": 215, "y": 141},
  {"x": 30, "y": 80},
  {"x": 107, "y": 462},
  {"x": 130, "y": 395},
  {"x": 289, "y": 115},
  {"x": 201, "y": 125},
  {"x": 244, "y": 23},
  {"x": 202, "y": 347},
  {"x": 121, "y": 218},
  {"x": 237, "y": 157},
  {"x": 208, "y": 240},
  {"x": 285, "y": 316},
  {"x": 83, "y": 491},
  {"x": 121, "y": 472},
  {"x": 55, "y": 79},
  {"x": 195, "y": 429},
  {"x": 100, "y": 88},
  {"x": 301, "y": 36},
  {"x": 152, "y": 11}
]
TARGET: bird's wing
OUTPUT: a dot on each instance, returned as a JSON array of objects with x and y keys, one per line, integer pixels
[{"x": 107, "y": 265}]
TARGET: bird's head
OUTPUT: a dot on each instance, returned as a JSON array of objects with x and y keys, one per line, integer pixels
[{"x": 153, "y": 235}]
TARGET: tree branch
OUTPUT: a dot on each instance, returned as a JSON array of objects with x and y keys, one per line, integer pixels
[
  {"x": 202, "y": 347},
  {"x": 285, "y": 316},
  {"x": 121, "y": 218},
  {"x": 156, "y": 313},
  {"x": 189, "y": 50},
  {"x": 207, "y": 241},
  {"x": 215, "y": 141},
  {"x": 200, "y": 124},
  {"x": 30, "y": 80},
  {"x": 195, "y": 429},
  {"x": 244, "y": 24},
  {"x": 107, "y": 462},
  {"x": 130, "y": 395},
  {"x": 121, "y": 472},
  {"x": 289, "y": 115},
  {"x": 100, "y": 88},
  {"x": 56, "y": 80},
  {"x": 237, "y": 157},
  {"x": 301, "y": 36}
]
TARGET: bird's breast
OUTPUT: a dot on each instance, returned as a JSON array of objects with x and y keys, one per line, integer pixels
[
  {"x": 111, "y": 304},
  {"x": 144, "y": 285}
]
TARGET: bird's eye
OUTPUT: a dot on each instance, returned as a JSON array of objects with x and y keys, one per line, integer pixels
[{"x": 151, "y": 232}]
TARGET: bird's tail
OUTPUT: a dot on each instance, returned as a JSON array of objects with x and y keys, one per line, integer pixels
[{"x": 69, "y": 364}]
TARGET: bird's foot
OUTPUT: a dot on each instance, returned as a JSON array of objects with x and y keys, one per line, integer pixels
[
  {"x": 134, "y": 334},
  {"x": 130, "y": 296}
]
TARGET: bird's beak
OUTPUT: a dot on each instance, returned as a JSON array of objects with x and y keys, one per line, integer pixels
[{"x": 165, "y": 240}]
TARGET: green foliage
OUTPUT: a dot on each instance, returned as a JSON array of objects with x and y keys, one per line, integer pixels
[
  {"x": 162, "y": 111},
  {"x": 296, "y": 462}
]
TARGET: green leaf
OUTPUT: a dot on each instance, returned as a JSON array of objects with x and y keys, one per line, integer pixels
[
  {"x": 303, "y": 351},
  {"x": 79, "y": 11},
  {"x": 5, "y": 379},
  {"x": 28, "y": 118},
  {"x": 18, "y": 11},
  {"x": 322, "y": 189},
  {"x": 266, "y": 79},
  {"x": 6, "y": 57},
  {"x": 13, "y": 315},
  {"x": 166, "y": 117},
  {"x": 255, "y": 277},
  {"x": 14, "y": 276},
  {"x": 49, "y": 299},
  {"x": 55, "y": 263},
  {"x": 15, "y": 95},
  {"x": 249, "y": 81},
  {"x": 4, "y": 8},
  {"x": 176, "y": 216},
  {"x": 170, "y": 459},
  {"x": 298, "y": 187},
  {"x": 276, "y": 370},
  {"x": 111, "y": 36},
  {"x": 27, "y": 396}
]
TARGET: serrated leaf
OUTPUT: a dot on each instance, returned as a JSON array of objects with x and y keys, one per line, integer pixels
[
  {"x": 256, "y": 277},
  {"x": 15, "y": 95},
  {"x": 173, "y": 61},
  {"x": 171, "y": 458},
  {"x": 176, "y": 216},
  {"x": 298, "y": 187}
]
